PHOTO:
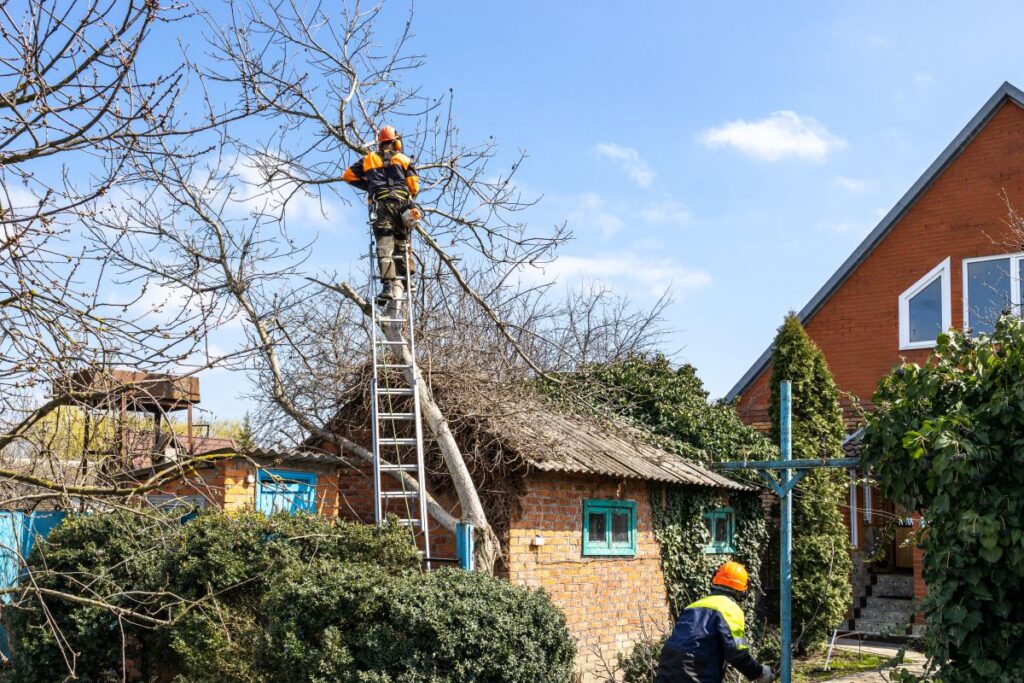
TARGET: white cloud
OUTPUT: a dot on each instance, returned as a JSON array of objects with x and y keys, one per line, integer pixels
[
  {"x": 851, "y": 184},
  {"x": 651, "y": 274},
  {"x": 590, "y": 214},
  {"x": 630, "y": 160},
  {"x": 781, "y": 135},
  {"x": 668, "y": 212}
]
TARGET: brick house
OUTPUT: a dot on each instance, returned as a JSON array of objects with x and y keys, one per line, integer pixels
[
  {"x": 571, "y": 501},
  {"x": 944, "y": 257}
]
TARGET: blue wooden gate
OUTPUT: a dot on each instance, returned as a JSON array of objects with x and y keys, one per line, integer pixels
[{"x": 19, "y": 532}]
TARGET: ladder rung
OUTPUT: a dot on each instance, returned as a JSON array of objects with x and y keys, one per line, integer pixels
[
  {"x": 410, "y": 522},
  {"x": 394, "y": 366},
  {"x": 391, "y": 467},
  {"x": 390, "y": 320},
  {"x": 396, "y": 416},
  {"x": 399, "y": 494},
  {"x": 388, "y": 342},
  {"x": 391, "y": 441},
  {"x": 401, "y": 391}
]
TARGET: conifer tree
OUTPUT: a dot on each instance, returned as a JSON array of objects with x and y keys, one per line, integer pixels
[{"x": 821, "y": 558}]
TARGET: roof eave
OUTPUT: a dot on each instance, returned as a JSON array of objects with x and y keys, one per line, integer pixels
[{"x": 1007, "y": 91}]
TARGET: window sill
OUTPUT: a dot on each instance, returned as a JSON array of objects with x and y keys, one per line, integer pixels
[
  {"x": 719, "y": 550},
  {"x": 610, "y": 552},
  {"x": 914, "y": 346}
]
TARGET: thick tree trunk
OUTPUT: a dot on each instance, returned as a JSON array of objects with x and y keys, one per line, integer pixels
[{"x": 488, "y": 548}]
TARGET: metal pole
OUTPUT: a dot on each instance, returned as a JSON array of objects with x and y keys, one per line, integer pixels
[
  {"x": 464, "y": 546},
  {"x": 786, "y": 550}
]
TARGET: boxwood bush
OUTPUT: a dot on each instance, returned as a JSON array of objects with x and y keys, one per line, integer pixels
[
  {"x": 349, "y": 624},
  {"x": 256, "y": 599}
]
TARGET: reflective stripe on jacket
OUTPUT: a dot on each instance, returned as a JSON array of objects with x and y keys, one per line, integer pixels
[
  {"x": 712, "y": 633},
  {"x": 384, "y": 174}
]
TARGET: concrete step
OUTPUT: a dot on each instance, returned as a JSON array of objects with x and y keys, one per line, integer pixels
[
  {"x": 895, "y": 616},
  {"x": 888, "y": 604},
  {"x": 881, "y": 628},
  {"x": 893, "y": 585}
]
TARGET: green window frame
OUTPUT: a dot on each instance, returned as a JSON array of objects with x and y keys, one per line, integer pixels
[
  {"x": 609, "y": 528},
  {"x": 721, "y": 526}
]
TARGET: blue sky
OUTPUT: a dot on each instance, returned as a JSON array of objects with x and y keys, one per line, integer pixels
[{"x": 737, "y": 152}]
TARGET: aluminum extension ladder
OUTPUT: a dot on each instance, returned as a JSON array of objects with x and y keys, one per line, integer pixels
[{"x": 395, "y": 404}]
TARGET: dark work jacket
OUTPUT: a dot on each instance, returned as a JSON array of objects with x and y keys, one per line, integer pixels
[
  {"x": 709, "y": 634},
  {"x": 383, "y": 175}
]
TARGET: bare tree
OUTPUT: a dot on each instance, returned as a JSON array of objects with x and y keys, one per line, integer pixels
[{"x": 73, "y": 107}]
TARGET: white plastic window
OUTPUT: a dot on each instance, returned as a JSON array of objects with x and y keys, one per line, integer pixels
[
  {"x": 925, "y": 309},
  {"x": 991, "y": 288}
]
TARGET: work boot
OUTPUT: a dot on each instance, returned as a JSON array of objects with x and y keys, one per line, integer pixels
[{"x": 387, "y": 292}]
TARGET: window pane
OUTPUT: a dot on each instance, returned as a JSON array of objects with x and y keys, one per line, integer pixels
[
  {"x": 598, "y": 530},
  {"x": 709, "y": 522},
  {"x": 721, "y": 530},
  {"x": 988, "y": 293},
  {"x": 926, "y": 313},
  {"x": 620, "y": 527}
]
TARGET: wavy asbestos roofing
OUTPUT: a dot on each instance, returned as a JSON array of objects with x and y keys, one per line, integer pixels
[
  {"x": 1006, "y": 92},
  {"x": 584, "y": 447}
]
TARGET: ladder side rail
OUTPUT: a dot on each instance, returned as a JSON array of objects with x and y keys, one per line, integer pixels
[
  {"x": 378, "y": 510},
  {"x": 420, "y": 456}
]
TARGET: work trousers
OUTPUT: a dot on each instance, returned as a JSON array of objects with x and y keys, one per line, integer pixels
[
  {"x": 681, "y": 667},
  {"x": 392, "y": 239}
]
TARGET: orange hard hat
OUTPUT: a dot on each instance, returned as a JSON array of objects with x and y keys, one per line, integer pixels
[
  {"x": 731, "y": 575},
  {"x": 387, "y": 134}
]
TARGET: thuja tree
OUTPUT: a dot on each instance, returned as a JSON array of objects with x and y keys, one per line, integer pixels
[
  {"x": 948, "y": 439},
  {"x": 821, "y": 559}
]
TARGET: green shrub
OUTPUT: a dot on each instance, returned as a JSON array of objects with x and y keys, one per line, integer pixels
[
  {"x": 347, "y": 624},
  {"x": 947, "y": 439},
  {"x": 640, "y": 665},
  {"x": 255, "y": 599},
  {"x": 223, "y": 564},
  {"x": 104, "y": 556}
]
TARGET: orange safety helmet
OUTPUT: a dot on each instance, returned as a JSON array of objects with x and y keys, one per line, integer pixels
[
  {"x": 731, "y": 575},
  {"x": 389, "y": 134}
]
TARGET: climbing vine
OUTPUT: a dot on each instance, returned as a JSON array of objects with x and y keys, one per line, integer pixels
[
  {"x": 682, "y": 535},
  {"x": 947, "y": 439}
]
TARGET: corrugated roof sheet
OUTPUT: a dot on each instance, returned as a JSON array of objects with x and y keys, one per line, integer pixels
[{"x": 551, "y": 439}]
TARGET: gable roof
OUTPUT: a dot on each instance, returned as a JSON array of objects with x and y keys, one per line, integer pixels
[{"x": 1006, "y": 92}]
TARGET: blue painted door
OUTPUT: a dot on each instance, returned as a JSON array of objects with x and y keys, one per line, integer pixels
[{"x": 286, "y": 491}]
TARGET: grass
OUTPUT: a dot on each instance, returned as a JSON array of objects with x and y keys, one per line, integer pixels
[{"x": 843, "y": 663}]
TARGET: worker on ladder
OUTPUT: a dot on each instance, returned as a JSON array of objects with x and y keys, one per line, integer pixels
[
  {"x": 389, "y": 179},
  {"x": 711, "y": 633}
]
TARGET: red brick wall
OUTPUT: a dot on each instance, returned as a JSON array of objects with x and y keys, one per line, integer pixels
[
  {"x": 609, "y": 602},
  {"x": 962, "y": 215},
  {"x": 355, "y": 486}
]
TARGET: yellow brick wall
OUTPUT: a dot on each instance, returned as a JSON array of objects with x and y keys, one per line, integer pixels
[
  {"x": 231, "y": 485},
  {"x": 609, "y": 602}
]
